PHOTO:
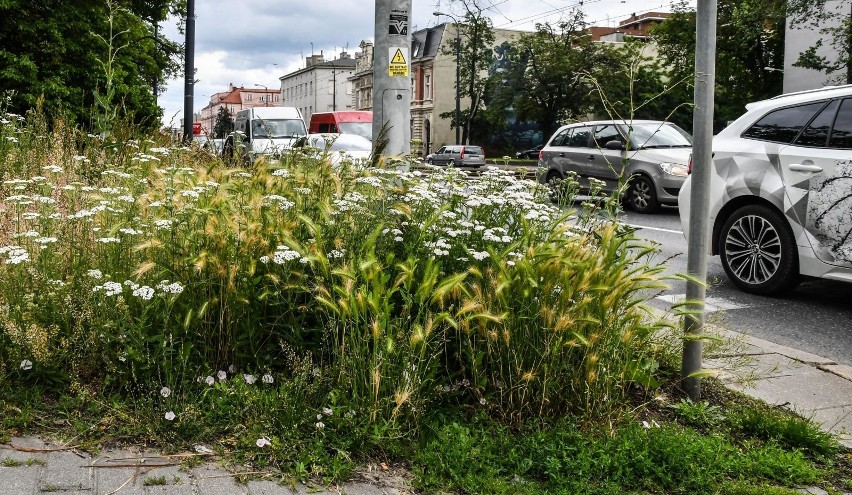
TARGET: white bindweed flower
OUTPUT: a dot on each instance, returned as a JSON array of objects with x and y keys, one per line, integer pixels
[
  {"x": 222, "y": 375},
  {"x": 209, "y": 380},
  {"x": 263, "y": 442},
  {"x": 26, "y": 365},
  {"x": 165, "y": 392},
  {"x": 267, "y": 378},
  {"x": 170, "y": 416},
  {"x": 327, "y": 411},
  {"x": 320, "y": 425},
  {"x": 250, "y": 379}
]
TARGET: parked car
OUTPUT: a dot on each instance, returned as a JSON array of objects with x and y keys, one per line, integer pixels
[
  {"x": 652, "y": 155},
  {"x": 781, "y": 191},
  {"x": 340, "y": 147},
  {"x": 530, "y": 153},
  {"x": 458, "y": 155}
]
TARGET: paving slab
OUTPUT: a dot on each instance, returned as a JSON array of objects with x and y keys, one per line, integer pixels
[
  {"x": 64, "y": 472},
  {"x": 263, "y": 487},
  {"x": 21, "y": 480},
  {"x": 805, "y": 393},
  {"x": 759, "y": 366},
  {"x": 211, "y": 479}
]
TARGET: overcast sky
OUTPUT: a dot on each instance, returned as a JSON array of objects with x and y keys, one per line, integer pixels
[{"x": 253, "y": 44}]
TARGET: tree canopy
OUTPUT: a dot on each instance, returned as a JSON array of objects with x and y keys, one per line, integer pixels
[
  {"x": 87, "y": 60},
  {"x": 749, "y": 38}
]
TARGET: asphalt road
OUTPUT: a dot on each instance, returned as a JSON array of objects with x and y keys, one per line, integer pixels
[{"x": 816, "y": 317}]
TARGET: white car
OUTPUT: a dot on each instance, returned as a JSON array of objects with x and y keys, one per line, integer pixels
[
  {"x": 781, "y": 191},
  {"x": 340, "y": 147}
]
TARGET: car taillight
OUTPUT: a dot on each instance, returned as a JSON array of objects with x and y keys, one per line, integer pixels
[
  {"x": 462, "y": 154},
  {"x": 540, "y": 154},
  {"x": 689, "y": 165}
]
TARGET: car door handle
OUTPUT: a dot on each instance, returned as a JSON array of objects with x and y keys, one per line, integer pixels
[
  {"x": 562, "y": 155},
  {"x": 798, "y": 167},
  {"x": 591, "y": 157}
]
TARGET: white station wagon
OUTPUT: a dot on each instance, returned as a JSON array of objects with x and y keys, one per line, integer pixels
[{"x": 781, "y": 191}]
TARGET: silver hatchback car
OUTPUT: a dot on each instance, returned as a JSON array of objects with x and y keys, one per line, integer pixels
[{"x": 652, "y": 155}]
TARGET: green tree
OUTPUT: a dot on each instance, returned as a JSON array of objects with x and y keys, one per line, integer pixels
[
  {"x": 749, "y": 38},
  {"x": 63, "y": 55},
  {"x": 633, "y": 85},
  {"x": 475, "y": 53},
  {"x": 224, "y": 124},
  {"x": 833, "y": 19},
  {"x": 549, "y": 77}
]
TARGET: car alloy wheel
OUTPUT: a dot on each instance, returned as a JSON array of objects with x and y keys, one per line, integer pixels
[
  {"x": 758, "y": 250},
  {"x": 642, "y": 196},
  {"x": 429, "y": 161}
]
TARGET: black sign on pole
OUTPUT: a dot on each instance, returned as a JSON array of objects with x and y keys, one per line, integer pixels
[{"x": 398, "y": 23}]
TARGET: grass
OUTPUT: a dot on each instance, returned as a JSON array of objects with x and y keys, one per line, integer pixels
[{"x": 307, "y": 318}]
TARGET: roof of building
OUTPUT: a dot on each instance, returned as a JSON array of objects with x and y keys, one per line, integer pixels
[{"x": 426, "y": 42}]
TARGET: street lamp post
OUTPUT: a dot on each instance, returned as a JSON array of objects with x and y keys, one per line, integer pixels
[{"x": 458, "y": 96}]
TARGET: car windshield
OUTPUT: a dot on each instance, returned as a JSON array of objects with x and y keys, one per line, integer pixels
[
  {"x": 657, "y": 135},
  {"x": 278, "y": 128},
  {"x": 363, "y": 129}
]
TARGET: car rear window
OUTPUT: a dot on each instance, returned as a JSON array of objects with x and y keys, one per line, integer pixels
[
  {"x": 841, "y": 135},
  {"x": 783, "y": 125},
  {"x": 473, "y": 150}
]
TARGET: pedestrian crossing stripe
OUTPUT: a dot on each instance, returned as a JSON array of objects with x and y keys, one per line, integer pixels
[{"x": 398, "y": 57}]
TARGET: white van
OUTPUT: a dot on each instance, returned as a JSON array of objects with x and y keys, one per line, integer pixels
[{"x": 264, "y": 131}]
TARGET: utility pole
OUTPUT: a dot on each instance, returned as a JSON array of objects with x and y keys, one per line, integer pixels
[
  {"x": 391, "y": 76},
  {"x": 699, "y": 225},
  {"x": 189, "y": 71}
]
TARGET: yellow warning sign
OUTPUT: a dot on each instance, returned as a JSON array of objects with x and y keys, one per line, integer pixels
[{"x": 398, "y": 61}]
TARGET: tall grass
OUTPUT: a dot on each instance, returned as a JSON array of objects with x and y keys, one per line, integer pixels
[{"x": 140, "y": 266}]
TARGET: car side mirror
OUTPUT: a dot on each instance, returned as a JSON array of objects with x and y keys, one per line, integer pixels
[{"x": 614, "y": 145}]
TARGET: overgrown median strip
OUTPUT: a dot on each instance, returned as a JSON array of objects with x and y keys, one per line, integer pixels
[{"x": 306, "y": 317}]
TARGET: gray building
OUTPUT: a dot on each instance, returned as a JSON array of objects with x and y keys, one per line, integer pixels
[
  {"x": 797, "y": 40},
  {"x": 322, "y": 86}
]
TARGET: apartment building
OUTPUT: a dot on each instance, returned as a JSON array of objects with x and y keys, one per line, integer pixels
[
  {"x": 321, "y": 86},
  {"x": 235, "y": 99}
]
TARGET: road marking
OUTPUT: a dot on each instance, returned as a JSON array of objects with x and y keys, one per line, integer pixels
[
  {"x": 658, "y": 229},
  {"x": 711, "y": 304}
]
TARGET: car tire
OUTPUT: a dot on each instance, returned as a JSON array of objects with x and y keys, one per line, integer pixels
[
  {"x": 553, "y": 182},
  {"x": 451, "y": 163},
  {"x": 758, "y": 250},
  {"x": 642, "y": 195},
  {"x": 428, "y": 161}
]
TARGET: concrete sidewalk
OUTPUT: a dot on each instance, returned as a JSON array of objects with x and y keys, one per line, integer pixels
[{"x": 812, "y": 386}]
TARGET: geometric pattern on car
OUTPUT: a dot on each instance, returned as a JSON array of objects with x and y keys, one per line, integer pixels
[{"x": 829, "y": 212}]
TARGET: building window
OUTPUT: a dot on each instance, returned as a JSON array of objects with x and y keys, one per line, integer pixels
[
  {"x": 248, "y": 97},
  {"x": 427, "y": 87}
]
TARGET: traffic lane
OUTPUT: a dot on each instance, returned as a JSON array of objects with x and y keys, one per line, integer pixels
[{"x": 814, "y": 317}]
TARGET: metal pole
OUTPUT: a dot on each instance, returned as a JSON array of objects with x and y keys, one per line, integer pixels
[
  {"x": 391, "y": 76},
  {"x": 699, "y": 228},
  {"x": 458, "y": 82},
  {"x": 189, "y": 71}
]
